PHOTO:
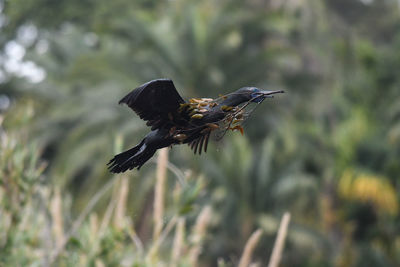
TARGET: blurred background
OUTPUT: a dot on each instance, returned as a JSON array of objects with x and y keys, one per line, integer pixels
[{"x": 327, "y": 151}]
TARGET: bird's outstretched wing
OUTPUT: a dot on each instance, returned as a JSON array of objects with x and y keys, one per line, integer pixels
[{"x": 155, "y": 102}]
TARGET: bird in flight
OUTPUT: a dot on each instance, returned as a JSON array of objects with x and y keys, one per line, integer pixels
[{"x": 174, "y": 121}]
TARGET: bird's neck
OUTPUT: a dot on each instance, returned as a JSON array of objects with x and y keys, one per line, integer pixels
[{"x": 234, "y": 100}]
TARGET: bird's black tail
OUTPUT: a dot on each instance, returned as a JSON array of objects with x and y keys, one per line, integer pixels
[{"x": 132, "y": 158}]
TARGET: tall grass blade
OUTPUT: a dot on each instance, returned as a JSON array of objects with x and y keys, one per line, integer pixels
[
  {"x": 249, "y": 248},
  {"x": 280, "y": 241},
  {"x": 159, "y": 192}
]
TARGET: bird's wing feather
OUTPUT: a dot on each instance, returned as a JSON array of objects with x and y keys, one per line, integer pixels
[
  {"x": 154, "y": 100},
  {"x": 200, "y": 142}
]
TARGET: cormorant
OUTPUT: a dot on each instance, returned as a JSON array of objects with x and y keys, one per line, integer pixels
[{"x": 174, "y": 121}]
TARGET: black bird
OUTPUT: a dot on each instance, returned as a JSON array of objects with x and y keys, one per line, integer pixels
[{"x": 174, "y": 121}]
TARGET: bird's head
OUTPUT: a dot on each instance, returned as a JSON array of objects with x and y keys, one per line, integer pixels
[{"x": 252, "y": 94}]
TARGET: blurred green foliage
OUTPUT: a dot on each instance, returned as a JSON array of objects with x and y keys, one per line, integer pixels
[{"x": 327, "y": 151}]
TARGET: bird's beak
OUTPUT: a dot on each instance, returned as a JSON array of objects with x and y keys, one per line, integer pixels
[{"x": 267, "y": 93}]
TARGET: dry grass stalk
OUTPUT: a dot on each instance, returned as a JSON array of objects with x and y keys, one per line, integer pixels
[
  {"x": 94, "y": 226},
  {"x": 159, "y": 192},
  {"x": 56, "y": 214},
  {"x": 178, "y": 242},
  {"x": 105, "y": 222},
  {"x": 198, "y": 234},
  {"x": 109, "y": 211},
  {"x": 135, "y": 239},
  {"x": 99, "y": 263},
  {"x": 280, "y": 241},
  {"x": 153, "y": 252},
  {"x": 120, "y": 209},
  {"x": 78, "y": 222},
  {"x": 249, "y": 248}
]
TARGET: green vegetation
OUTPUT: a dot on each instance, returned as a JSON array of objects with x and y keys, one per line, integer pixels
[{"x": 327, "y": 151}]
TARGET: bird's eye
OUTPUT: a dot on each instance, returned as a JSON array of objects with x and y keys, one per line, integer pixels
[
  {"x": 254, "y": 91},
  {"x": 255, "y": 95}
]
